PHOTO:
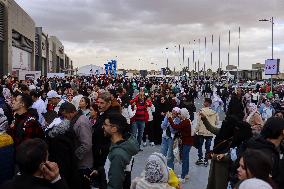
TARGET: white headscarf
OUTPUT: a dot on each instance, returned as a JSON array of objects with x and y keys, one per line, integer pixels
[
  {"x": 184, "y": 114},
  {"x": 254, "y": 183}
]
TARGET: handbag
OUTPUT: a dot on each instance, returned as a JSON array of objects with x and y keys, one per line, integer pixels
[
  {"x": 227, "y": 142},
  {"x": 196, "y": 140}
]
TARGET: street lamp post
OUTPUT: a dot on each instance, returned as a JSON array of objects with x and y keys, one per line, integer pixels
[{"x": 272, "y": 23}]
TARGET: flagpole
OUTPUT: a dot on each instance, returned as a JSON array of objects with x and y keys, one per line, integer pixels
[
  {"x": 205, "y": 60},
  {"x": 238, "y": 54},
  {"x": 212, "y": 53},
  {"x": 229, "y": 47},
  {"x": 198, "y": 59},
  {"x": 193, "y": 63},
  {"x": 219, "y": 70}
]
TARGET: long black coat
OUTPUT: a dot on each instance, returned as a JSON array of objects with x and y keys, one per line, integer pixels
[{"x": 62, "y": 151}]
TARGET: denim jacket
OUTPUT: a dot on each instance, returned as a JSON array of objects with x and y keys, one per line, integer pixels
[{"x": 166, "y": 124}]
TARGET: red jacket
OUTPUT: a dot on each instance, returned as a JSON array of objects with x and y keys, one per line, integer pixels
[
  {"x": 141, "y": 112},
  {"x": 184, "y": 127}
]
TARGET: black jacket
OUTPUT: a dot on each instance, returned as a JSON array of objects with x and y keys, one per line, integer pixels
[
  {"x": 101, "y": 143},
  {"x": 268, "y": 148},
  {"x": 31, "y": 182},
  {"x": 61, "y": 148}
]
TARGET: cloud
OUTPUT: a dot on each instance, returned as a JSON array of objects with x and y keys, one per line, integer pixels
[{"x": 94, "y": 31}]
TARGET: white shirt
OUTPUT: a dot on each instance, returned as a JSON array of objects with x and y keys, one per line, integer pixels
[
  {"x": 58, "y": 105},
  {"x": 150, "y": 112},
  {"x": 255, "y": 96},
  {"x": 128, "y": 113},
  {"x": 40, "y": 106}
]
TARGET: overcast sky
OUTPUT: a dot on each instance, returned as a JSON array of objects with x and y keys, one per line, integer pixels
[{"x": 137, "y": 32}]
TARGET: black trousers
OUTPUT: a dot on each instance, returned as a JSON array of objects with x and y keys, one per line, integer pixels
[{"x": 149, "y": 130}]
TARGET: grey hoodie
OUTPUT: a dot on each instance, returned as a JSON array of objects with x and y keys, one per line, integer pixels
[{"x": 119, "y": 157}]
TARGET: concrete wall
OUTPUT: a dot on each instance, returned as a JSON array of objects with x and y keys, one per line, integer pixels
[
  {"x": 16, "y": 19},
  {"x": 56, "y": 52}
]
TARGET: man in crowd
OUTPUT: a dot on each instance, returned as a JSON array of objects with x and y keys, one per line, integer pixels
[
  {"x": 35, "y": 169},
  {"x": 83, "y": 149},
  {"x": 55, "y": 100},
  {"x": 39, "y": 105},
  {"x": 122, "y": 150},
  {"x": 101, "y": 143},
  {"x": 203, "y": 133},
  {"x": 26, "y": 125}
]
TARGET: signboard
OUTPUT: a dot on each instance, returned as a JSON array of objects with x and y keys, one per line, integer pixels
[
  {"x": 272, "y": 66},
  {"x": 27, "y": 75},
  {"x": 52, "y": 75},
  {"x": 21, "y": 60}
]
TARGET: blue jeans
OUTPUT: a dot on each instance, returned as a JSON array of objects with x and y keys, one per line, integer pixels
[
  {"x": 138, "y": 126},
  {"x": 185, "y": 160},
  {"x": 167, "y": 151},
  {"x": 208, "y": 140}
]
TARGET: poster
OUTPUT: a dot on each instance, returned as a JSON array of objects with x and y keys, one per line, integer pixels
[
  {"x": 272, "y": 66},
  {"x": 29, "y": 75},
  {"x": 21, "y": 60},
  {"x": 52, "y": 75}
]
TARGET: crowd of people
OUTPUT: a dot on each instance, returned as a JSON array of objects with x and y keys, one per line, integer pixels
[{"x": 84, "y": 132}]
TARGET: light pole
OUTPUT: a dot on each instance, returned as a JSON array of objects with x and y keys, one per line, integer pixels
[{"x": 272, "y": 23}]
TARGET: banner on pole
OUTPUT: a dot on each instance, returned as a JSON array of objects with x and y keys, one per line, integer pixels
[{"x": 272, "y": 66}]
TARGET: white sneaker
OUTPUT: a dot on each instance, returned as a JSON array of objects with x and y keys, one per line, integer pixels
[
  {"x": 182, "y": 180},
  {"x": 144, "y": 144},
  {"x": 152, "y": 144}
]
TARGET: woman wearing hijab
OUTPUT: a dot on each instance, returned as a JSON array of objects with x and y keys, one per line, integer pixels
[
  {"x": 254, "y": 119},
  {"x": 234, "y": 132},
  {"x": 156, "y": 175},
  {"x": 184, "y": 128}
]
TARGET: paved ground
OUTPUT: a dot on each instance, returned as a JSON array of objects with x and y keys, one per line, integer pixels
[{"x": 198, "y": 174}]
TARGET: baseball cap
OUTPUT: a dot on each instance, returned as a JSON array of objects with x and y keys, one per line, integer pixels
[{"x": 53, "y": 94}]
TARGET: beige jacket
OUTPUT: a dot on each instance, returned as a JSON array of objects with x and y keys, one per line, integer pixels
[{"x": 212, "y": 117}]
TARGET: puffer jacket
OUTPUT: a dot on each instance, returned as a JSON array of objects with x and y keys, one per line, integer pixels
[{"x": 6, "y": 157}]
